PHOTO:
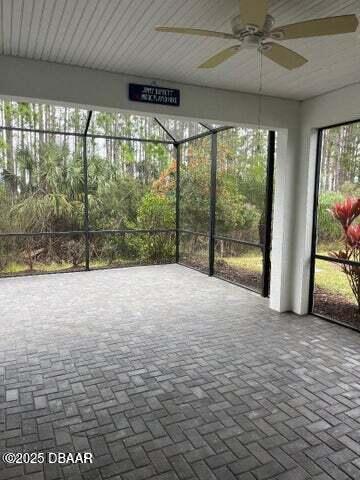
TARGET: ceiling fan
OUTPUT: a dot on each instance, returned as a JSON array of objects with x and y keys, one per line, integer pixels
[{"x": 254, "y": 29}]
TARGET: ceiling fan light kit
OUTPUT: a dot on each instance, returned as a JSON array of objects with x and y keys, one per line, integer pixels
[{"x": 254, "y": 30}]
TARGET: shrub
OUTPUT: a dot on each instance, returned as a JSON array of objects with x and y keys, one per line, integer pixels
[
  {"x": 75, "y": 252},
  {"x": 153, "y": 247},
  {"x": 328, "y": 230},
  {"x": 116, "y": 248},
  {"x": 155, "y": 212},
  {"x": 346, "y": 213}
]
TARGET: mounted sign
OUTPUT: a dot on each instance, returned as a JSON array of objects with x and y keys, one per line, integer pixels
[{"x": 154, "y": 94}]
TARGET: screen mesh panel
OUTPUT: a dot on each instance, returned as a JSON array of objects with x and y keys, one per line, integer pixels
[
  {"x": 241, "y": 184},
  {"x": 39, "y": 116},
  {"x": 131, "y": 185},
  {"x": 238, "y": 263},
  {"x": 182, "y": 129},
  {"x": 113, "y": 250},
  {"x": 195, "y": 167},
  {"x": 195, "y": 251},
  {"x": 126, "y": 125},
  {"x": 240, "y": 205},
  {"x": 41, "y": 182},
  {"x": 337, "y": 286},
  {"x": 29, "y": 255}
]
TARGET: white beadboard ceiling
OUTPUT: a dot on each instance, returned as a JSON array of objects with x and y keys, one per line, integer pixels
[{"x": 119, "y": 36}]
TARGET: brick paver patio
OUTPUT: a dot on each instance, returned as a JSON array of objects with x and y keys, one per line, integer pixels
[{"x": 165, "y": 374}]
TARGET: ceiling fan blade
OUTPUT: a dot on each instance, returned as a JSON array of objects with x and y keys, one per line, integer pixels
[
  {"x": 253, "y": 12},
  {"x": 283, "y": 56},
  {"x": 195, "y": 31},
  {"x": 317, "y": 28},
  {"x": 221, "y": 57}
]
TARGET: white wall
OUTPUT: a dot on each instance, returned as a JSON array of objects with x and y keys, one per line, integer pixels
[
  {"x": 96, "y": 89},
  {"x": 40, "y": 81},
  {"x": 336, "y": 107}
]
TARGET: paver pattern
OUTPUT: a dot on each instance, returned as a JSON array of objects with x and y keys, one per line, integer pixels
[{"x": 165, "y": 374}]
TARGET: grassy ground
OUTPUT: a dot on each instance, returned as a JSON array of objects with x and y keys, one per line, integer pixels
[
  {"x": 17, "y": 267},
  {"x": 328, "y": 276},
  {"x": 251, "y": 261}
]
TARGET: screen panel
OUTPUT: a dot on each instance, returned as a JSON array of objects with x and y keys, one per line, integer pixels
[
  {"x": 30, "y": 255},
  {"x": 333, "y": 295},
  {"x": 337, "y": 285},
  {"x": 339, "y": 181},
  {"x": 182, "y": 129},
  {"x": 241, "y": 264},
  {"x": 194, "y": 250},
  {"x": 126, "y": 125},
  {"x": 114, "y": 250},
  {"x": 41, "y": 116},
  {"x": 195, "y": 165},
  {"x": 241, "y": 185},
  {"x": 131, "y": 185},
  {"x": 41, "y": 182}
]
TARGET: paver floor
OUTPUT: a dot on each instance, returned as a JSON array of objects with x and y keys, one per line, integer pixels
[{"x": 163, "y": 373}]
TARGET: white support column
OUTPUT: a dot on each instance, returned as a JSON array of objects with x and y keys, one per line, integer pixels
[
  {"x": 286, "y": 172},
  {"x": 304, "y": 221}
]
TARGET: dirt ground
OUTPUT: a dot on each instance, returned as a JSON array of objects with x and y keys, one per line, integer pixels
[{"x": 336, "y": 307}]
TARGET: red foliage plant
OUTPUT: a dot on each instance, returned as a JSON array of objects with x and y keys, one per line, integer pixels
[
  {"x": 353, "y": 235},
  {"x": 346, "y": 213}
]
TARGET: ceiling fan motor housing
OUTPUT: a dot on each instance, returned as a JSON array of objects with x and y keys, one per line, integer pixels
[
  {"x": 251, "y": 42},
  {"x": 240, "y": 29}
]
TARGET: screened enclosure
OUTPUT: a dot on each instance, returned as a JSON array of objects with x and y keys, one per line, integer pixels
[
  {"x": 83, "y": 190},
  {"x": 335, "y": 281}
]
